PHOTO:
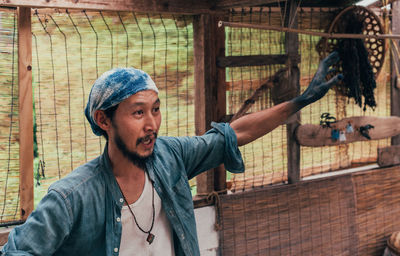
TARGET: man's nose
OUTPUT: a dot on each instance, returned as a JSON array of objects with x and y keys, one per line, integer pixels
[{"x": 151, "y": 123}]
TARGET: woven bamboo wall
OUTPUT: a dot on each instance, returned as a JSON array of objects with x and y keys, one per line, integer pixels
[{"x": 352, "y": 214}]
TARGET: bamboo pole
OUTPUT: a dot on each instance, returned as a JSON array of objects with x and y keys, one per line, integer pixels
[
  {"x": 25, "y": 111},
  {"x": 306, "y": 32}
]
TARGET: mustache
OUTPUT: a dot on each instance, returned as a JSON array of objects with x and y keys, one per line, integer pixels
[{"x": 152, "y": 136}]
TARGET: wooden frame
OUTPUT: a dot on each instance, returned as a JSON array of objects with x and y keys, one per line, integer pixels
[
  {"x": 210, "y": 98},
  {"x": 292, "y": 51},
  {"x": 166, "y": 6},
  {"x": 25, "y": 111},
  {"x": 395, "y": 86}
]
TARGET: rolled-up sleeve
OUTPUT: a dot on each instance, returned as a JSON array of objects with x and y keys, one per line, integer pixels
[
  {"x": 217, "y": 146},
  {"x": 233, "y": 161}
]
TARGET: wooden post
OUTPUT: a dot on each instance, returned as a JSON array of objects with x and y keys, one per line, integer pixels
[
  {"x": 25, "y": 111},
  {"x": 210, "y": 99},
  {"x": 395, "y": 81},
  {"x": 292, "y": 47}
]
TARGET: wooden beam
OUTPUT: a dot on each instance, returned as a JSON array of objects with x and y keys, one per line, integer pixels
[
  {"x": 245, "y": 3},
  {"x": 395, "y": 87},
  {"x": 210, "y": 91},
  {"x": 25, "y": 111},
  {"x": 148, "y": 6},
  {"x": 227, "y": 4},
  {"x": 251, "y": 60},
  {"x": 292, "y": 49},
  {"x": 376, "y": 128}
]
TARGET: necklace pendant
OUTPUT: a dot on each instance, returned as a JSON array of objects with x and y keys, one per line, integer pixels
[{"x": 150, "y": 238}]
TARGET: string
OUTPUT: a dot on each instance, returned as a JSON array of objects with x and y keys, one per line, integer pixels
[
  {"x": 111, "y": 37},
  {"x": 165, "y": 74},
  {"x": 11, "y": 118},
  {"x": 97, "y": 67},
  {"x": 54, "y": 92},
  {"x": 82, "y": 83},
  {"x": 69, "y": 92},
  {"x": 127, "y": 40}
]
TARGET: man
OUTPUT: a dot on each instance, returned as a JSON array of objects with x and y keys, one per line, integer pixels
[{"x": 135, "y": 198}]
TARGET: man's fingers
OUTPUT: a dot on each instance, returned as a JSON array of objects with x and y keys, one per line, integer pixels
[
  {"x": 325, "y": 64},
  {"x": 331, "y": 71},
  {"x": 331, "y": 59},
  {"x": 334, "y": 80}
]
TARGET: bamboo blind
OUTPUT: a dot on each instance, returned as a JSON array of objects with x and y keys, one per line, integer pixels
[{"x": 9, "y": 146}]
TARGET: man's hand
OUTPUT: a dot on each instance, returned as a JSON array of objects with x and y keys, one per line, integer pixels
[
  {"x": 252, "y": 126},
  {"x": 319, "y": 86}
]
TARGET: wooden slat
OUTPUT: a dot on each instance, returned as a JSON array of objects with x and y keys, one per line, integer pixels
[
  {"x": 25, "y": 111},
  {"x": 148, "y": 6},
  {"x": 210, "y": 92},
  {"x": 292, "y": 49},
  {"x": 389, "y": 156},
  {"x": 240, "y": 3},
  {"x": 226, "y": 4},
  {"x": 220, "y": 83},
  {"x": 395, "y": 89},
  {"x": 251, "y": 60}
]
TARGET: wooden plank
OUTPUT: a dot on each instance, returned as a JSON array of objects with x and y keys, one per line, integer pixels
[
  {"x": 220, "y": 104},
  {"x": 395, "y": 88},
  {"x": 292, "y": 49},
  {"x": 25, "y": 111},
  {"x": 226, "y": 4},
  {"x": 389, "y": 156},
  {"x": 252, "y": 60},
  {"x": 153, "y": 6},
  {"x": 239, "y": 3},
  {"x": 314, "y": 135},
  {"x": 210, "y": 102}
]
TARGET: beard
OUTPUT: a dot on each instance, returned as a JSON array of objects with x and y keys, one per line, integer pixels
[{"x": 134, "y": 157}]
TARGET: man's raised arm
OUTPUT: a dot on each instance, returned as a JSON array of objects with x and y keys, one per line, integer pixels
[{"x": 250, "y": 127}]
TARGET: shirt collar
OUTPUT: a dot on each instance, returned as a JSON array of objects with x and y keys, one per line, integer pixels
[{"x": 110, "y": 178}]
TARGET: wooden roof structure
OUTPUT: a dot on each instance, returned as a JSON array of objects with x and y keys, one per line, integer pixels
[{"x": 167, "y": 6}]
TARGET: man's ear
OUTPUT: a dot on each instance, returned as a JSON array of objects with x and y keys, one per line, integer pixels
[{"x": 102, "y": 120}]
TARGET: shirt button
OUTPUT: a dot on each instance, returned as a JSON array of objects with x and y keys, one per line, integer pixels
[
  {"x": 115, "y": 249},
  {"x": 121, "y": 200},
  {"x": 118, "y": 219}
]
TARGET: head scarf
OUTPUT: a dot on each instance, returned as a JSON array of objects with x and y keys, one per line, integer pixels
[{"x": 113, "y": 87}]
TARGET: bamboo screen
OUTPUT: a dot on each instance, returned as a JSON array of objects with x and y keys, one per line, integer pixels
[
  {"x": 266, "y": 158},
  {"x": 9, "y": 147}
]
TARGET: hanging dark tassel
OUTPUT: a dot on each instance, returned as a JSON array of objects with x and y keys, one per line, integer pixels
[{"x": 359, "y": 78}]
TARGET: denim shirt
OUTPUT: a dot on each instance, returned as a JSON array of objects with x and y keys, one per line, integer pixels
[{"x": 81, "y": 213}]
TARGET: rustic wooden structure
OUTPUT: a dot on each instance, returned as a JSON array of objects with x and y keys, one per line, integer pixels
[{"x": 242, "y": 232}]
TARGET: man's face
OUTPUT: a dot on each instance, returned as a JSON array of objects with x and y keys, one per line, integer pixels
[{"x": 135, "y": 125}]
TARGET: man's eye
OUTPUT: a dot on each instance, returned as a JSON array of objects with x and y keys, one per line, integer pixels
[
  {"x": 156, "y": 109},
  {"x": 139, "y": 112}
]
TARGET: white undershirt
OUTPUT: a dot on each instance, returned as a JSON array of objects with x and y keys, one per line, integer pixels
[{"x": 133, "y": 241}]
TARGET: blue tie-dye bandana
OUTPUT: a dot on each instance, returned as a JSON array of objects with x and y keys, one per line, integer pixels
[{"x": 114, "y": 86}]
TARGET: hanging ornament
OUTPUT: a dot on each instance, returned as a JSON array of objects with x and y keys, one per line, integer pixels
[
  {"x": 335, "y": 134},
  {"x": 342, "y": 136},
  {"x": 349, "y": 128}
]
